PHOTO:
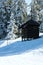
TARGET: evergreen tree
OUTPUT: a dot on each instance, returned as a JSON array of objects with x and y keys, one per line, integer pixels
[
  {"x": 36, "y": 8},
  {"x": 20, "y": 13},
  {"x": 19, "y": 10},
  {"x": 4, "y": 18}
]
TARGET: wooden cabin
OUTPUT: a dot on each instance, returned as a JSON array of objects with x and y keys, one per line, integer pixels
[{"x": 30, "y": 29}]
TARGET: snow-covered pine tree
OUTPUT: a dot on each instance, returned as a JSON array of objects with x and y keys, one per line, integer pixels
[
  {"x": 37, "y": 7},
  {"x": 35, "y": 10},
  {"x": 5, "y": 18},
  {"x": 2, "y": 25},
  {"x": 19, "y": 11},
  {"x": 12, "y": 28},
  {"x": 40, "y": 2},
  {"x": 6, "y": 13}
]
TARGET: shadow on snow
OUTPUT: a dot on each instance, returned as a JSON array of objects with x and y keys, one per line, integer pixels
[
  {"x": 1, "y": 42},
  {"x": 21, "y": 47}
]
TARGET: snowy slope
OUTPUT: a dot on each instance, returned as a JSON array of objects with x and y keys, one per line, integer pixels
[
  {"x": 20, "y": 47},
  {"x": 22, "y": 53},
  {"x": 8, "y": 42}
]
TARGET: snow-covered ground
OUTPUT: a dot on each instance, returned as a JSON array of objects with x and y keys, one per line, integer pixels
[
  {"x": 16, "y": 52},
  {"x": 8, "y": 42}
]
